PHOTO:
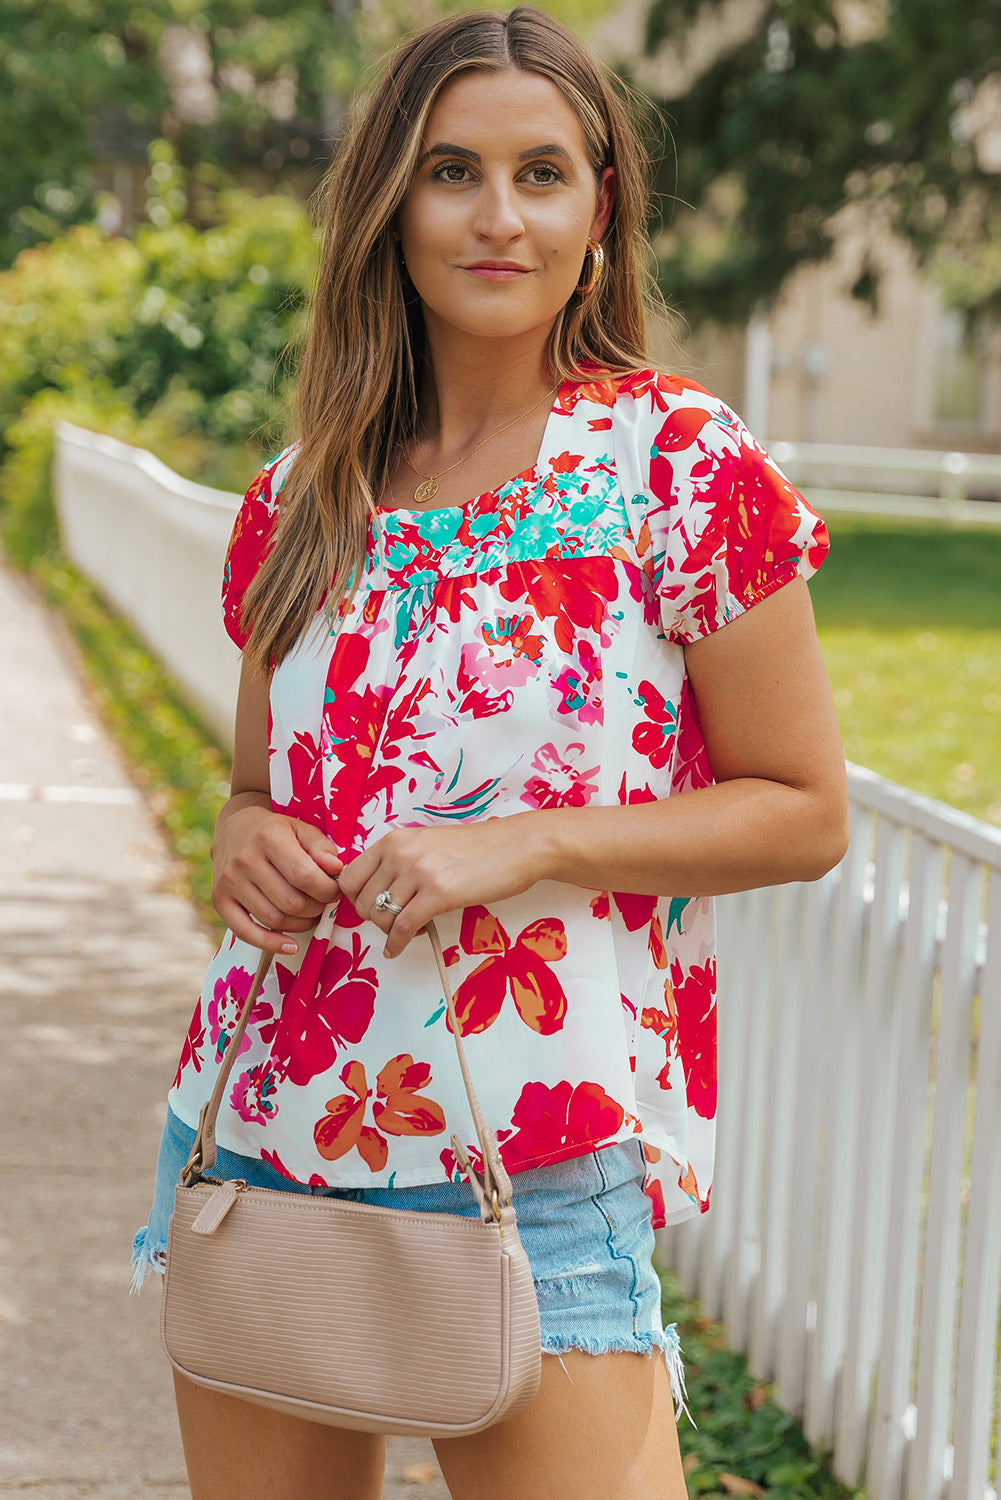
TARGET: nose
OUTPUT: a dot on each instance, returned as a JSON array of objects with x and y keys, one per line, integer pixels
[{"x": 498, "y": 213}]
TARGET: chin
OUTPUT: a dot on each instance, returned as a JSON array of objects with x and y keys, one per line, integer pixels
[{"x": 505, "y": 319}]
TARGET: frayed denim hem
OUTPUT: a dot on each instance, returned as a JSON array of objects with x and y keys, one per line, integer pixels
[
  {"x": 667, "y": 1342},
  {"x": 145, "y": 1258}
]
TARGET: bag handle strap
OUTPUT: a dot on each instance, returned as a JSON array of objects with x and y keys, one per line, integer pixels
[{"x": 492, "y": 1187}]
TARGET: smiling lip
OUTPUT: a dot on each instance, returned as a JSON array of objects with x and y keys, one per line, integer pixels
[{"x": 497, "y": 269}]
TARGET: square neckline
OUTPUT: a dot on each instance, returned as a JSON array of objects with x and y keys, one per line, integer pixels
[{"x": 411, "y": 513}]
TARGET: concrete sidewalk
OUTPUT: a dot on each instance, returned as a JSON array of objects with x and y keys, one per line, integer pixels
[{"x": 100, "y": 960}]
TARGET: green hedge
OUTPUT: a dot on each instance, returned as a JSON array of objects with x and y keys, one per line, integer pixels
[{"x": 177, "y": 339}]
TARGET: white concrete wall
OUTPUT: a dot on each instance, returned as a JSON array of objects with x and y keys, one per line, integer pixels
[{"x": 154, "y": 544}]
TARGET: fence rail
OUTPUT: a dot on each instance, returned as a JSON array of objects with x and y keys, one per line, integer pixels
[
  {"x": 853, "y": 1249},
  {"x": 154, "y": 543},
  {"x": 896, "y": 481}
]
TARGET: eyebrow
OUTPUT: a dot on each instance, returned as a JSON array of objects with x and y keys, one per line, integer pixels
[{"x": 448, "y": 148}]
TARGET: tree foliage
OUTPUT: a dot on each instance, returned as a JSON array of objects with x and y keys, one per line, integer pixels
[
  {"x": 892, "y": 105},
  {"x": 239, "y": 86}
]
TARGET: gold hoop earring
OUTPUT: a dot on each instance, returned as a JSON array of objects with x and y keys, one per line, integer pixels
[{"x": 597, "y": 269}]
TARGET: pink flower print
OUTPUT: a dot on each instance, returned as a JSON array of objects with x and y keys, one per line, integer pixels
[
  {"x": 225, "y": 1007},
  {"x": 253, "y": 1094},
  {"x": 655, "y": 738},
  {"x": 327, "y": 1004},
  {"x": 511, "y": 655},
  {"x": 559, "y": 783},
  {"x": 476, "y": 695},
  {"x": 579, "y": 686},
  {"x": 497, "y": 669}
]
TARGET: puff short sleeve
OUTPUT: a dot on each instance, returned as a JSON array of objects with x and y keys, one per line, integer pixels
[
  {"x": 719, "y": 527},
  {"x": 250, "y": 539}
]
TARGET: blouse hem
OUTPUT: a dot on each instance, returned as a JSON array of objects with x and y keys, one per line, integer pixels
[{"x": 398, "y": 1179}]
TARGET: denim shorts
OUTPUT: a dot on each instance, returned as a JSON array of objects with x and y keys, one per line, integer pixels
[{"x": 585, "y": 1225}]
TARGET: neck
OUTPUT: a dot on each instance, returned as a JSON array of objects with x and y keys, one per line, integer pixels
[{"x": 473, "y": 385}]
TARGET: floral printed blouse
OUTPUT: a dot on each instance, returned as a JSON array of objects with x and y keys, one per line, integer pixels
[{"x": 523, "y": 650}]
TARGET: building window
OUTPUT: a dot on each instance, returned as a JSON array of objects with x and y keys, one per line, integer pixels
[{"x": 959, "y": 374}]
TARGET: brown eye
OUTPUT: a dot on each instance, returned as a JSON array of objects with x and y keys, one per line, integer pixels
[
  {"x": 449, "y": 166},
  {"x": 554, "y": 175}
]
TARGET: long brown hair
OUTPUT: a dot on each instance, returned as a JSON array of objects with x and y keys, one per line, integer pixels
[{"x": 356, "y": 391}]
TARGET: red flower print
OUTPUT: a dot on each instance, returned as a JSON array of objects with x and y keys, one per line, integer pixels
[
  {"x": 566, "y": 463},
  {"x": 452, "y": 596},
  {"x": 694, "y": 1000},
  {"x": 553, "y": 1123},
  {"x": 572, "y": 593},
  {"x": 678, "y": 433},
  {"x": 523, "y": 965},
  {"x": 306, "y": 774},
  {"x": 398, "y": 1110},
  {"x": 400, "y": 731},
  {"x": 559, "y": 783},
  {"x": 655, "y": 1193},
  {"x": 193, "y": 1043},
  {"x": 449, "y": 1161},
  {"x": 352, "y": 723},
  {"x": 691, "y": 765},
  {"x": 655, "y": 739},
  {"x": 514, "y": 631},
  {"x": 474, "y": 698},
  {"x": 655, "y": 942},
  {"x": 274, "y": 1160},
  {"x": 328, "y": 1004},
  {"x": 665, "y": 1025}
]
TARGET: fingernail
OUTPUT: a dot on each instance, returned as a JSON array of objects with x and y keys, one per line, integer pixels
[{"x": 290, "y": 948}]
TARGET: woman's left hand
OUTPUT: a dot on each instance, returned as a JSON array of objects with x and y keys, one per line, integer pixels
[{"x": 428, "y": 871}]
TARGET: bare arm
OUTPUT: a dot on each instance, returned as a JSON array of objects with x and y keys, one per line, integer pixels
[
  {"x": 779, "y": 810},
  {"x": 271, "y": 874}
]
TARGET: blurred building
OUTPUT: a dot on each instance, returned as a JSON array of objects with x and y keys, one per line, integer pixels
[{"x": 820, "y": 365}]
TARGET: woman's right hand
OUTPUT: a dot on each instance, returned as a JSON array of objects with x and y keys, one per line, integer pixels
[{"x": 272, "y": 874}]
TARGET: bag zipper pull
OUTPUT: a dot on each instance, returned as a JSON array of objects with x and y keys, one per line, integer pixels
[{"x": 217, "y": 1206}]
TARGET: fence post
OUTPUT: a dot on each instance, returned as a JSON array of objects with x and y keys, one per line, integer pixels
[{"x": 955, "y": 468}]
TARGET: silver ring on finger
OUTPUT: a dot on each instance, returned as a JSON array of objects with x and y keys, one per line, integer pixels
[{"x": 384, "y": 902}]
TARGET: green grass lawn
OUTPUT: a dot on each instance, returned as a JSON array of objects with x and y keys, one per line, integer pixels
[{"x": 909, "y": 616}]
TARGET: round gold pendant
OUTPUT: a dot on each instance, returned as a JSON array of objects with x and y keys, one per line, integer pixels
[{"x": 426, "y": 491}]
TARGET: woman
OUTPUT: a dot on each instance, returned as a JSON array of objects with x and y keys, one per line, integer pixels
[{"x": 494, "y": 701}]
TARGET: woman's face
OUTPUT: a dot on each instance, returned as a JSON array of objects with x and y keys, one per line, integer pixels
[{"x": 503, "y": 177}]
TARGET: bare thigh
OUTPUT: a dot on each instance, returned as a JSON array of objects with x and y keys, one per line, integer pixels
[
  {"x": 606, "y": 1433},
  {"x": 235, "y": 1450}
]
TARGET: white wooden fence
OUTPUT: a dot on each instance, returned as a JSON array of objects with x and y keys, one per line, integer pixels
[
  {"x": 154, "y": 544},
  {"x": 895, "y": 481},
  {"x": 853, "y": 1247}
]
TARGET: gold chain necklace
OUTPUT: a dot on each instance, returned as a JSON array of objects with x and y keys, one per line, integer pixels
[{"x": 428, "y": 487}]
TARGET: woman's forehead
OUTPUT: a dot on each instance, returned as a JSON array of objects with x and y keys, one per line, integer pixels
[{"x": 511, "y": 110}]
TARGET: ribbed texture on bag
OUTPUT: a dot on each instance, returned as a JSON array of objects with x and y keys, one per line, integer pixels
[{"x": 439, "y": 1344}]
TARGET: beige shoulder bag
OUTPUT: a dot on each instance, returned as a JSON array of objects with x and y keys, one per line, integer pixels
[{"x": 378, "y": 1319}]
